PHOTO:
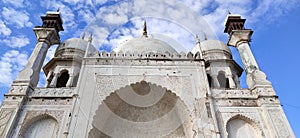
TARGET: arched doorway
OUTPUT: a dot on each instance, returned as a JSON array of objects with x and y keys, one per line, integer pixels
[
  {"x": 42, "y": 127},
  {"x": 141, "y": 110}
]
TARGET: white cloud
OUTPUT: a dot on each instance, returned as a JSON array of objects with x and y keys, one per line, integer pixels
[
  {"x": 11, "y": 63},
  {"x": 4, "y": 30},
  {"x": 16, "y": 3},
  {"x": 115, "y": 18},
  {"x": 16, "y": 41},
  {"x": 168, "y": 14},
  {"x": 18, "y": 18},
  {"x": 86, "y": 15}
]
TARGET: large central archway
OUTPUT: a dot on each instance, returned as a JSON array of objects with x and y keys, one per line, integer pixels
[{"x": 141, "y": 110}]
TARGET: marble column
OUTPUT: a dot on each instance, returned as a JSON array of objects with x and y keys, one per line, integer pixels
[
  {"x": 49, "y": 78},
  {"x": 231, "y": 81},
  {"x": 54, "y": 80},
  {"x": 240, "y": 39},
  {"x": 215, "y": 82},
  {"x": 70, "y": 81}
]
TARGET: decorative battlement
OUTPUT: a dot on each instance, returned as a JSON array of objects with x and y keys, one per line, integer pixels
[
  {"x": 151, "y": 55},
  {"x": 52, "y": 92}
]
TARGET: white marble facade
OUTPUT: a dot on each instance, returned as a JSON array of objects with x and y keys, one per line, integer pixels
[{"x": 143, "y": 88}]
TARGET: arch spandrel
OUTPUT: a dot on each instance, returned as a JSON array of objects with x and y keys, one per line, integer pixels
[{"x": 182, "y": 86}]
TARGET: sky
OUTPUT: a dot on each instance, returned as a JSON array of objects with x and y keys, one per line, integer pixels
[{"x": 274, "y": 42}]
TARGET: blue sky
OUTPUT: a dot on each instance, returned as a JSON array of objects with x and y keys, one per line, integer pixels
[{"x": 274, "y": 42}]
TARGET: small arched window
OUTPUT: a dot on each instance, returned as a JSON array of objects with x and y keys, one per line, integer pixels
[
  {"x": 63, "y": 79},
  {"x": 223, "y": 80}
]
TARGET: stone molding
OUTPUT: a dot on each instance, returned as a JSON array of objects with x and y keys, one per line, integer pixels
[
  {"x": 236, "y": 93},
  {"x": 40, "y": 101}
]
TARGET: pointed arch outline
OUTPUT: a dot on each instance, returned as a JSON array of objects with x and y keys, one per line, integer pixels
[
  {"x": 248, "y": 120},
  {"x": 35, "y": 118}
]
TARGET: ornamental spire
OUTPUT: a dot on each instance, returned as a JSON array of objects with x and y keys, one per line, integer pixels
[
  {"x": 145, "y": 30},
  {"x": 205, "y": 37}
]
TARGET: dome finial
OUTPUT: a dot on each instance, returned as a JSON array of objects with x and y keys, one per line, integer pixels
[
  {"x": 205, "y": 37},
  {"x": 145, "y": 29}
]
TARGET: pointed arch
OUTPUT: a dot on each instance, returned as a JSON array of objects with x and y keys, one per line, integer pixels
[{"x": 133, "y": 110}]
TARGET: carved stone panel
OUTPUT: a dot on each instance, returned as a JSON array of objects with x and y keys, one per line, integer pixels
[
  {"x": 278, "y": 123},
  {"x": 5, "y": 115}
]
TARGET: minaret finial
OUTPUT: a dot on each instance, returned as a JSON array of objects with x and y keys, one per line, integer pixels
[
  {"x": 145, "y": 29},
  {"x": 229, "y": 12},
  {"x": 205, "y": 37},
  {"x": 83, "y": 36},
  {"x": 197, "y": 39},
  {"x": 91, "y": 38}
]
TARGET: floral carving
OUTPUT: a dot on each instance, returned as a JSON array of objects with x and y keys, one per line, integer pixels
[
  {"x": 278, "y": 123},
  {"x": 5, "y": 115}
]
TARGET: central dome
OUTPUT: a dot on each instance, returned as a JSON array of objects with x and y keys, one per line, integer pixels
[{"x": 145, "y": 45}]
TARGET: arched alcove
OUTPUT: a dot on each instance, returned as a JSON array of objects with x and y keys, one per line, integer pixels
[
  {"x": 41, "y": 127},
  {"x": 141, "y": 110},
  {"x": 63, "y": 79},
  {"x": 240, "y": 126}
]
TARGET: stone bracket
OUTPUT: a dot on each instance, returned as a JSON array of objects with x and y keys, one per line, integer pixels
[{"x": 238, "y": 36}]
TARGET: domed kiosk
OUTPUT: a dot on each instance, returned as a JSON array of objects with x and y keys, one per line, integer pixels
[
  {"x": 222, "y": 71},
  {"x": 213, "y": 49},
  {"x": 63, "y": 69}
]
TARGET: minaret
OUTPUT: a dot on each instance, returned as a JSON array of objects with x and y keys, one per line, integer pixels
[
  {"x": 28, "y": 78},
  {"x": 240, "y": 37}
]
